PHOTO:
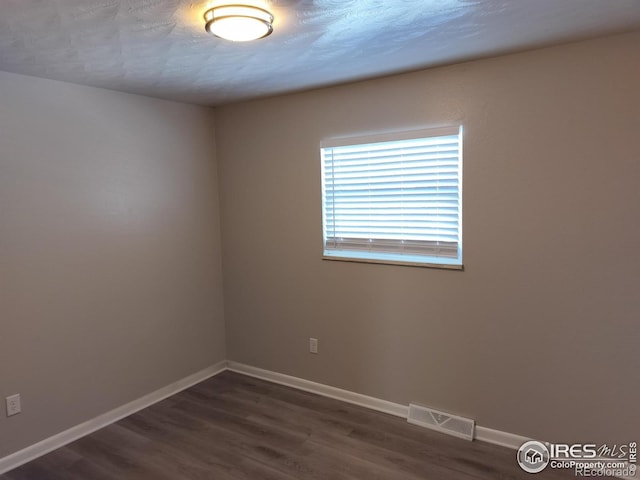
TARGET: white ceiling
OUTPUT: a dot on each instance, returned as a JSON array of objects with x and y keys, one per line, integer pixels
[{"x": 160, "y": 48}]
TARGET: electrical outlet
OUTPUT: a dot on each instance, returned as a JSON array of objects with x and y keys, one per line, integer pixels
[
  {"x": 313, "y": 345},
  {"x": 13, "y": 405}
]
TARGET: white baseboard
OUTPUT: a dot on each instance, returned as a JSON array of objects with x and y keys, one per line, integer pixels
[
  {"x": 74, "y": 433},
  {"x": 498, "y": 437},
  {"x": 320, "y": 389},
  {"x": 484, "y": 434}
]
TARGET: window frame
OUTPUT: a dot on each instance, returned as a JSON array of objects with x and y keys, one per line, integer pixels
[{"x": 385, "y": 258}]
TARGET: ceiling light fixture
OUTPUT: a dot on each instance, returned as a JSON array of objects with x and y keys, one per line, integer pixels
[{"x": 238, "y": 23}]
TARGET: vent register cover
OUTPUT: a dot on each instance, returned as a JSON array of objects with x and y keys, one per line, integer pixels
[{"x": 443, "y": 422}]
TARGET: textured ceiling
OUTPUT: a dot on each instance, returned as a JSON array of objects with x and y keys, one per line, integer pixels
[{"x": 160, "y": 48}]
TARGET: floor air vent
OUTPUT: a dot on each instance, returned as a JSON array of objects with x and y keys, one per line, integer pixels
[{"x": 443, "y": 422}]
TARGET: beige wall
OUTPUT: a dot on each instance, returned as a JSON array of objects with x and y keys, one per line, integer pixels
[
  {"x": 110, "y": 282},
  {"x": 540, "y": 334},
  {"x": 110, "y": 279}
]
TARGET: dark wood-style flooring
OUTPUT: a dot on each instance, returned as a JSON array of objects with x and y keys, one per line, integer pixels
[{"x": 234, "y": 427}]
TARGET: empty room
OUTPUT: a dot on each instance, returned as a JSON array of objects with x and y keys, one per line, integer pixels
[{"x": 319, "y": 239}]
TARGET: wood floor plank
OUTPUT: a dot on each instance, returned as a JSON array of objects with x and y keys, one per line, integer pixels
[{"x": 234, "y": 427}]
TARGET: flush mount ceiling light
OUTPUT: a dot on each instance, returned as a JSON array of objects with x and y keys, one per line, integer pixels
[{"x": 238, "y": 23}]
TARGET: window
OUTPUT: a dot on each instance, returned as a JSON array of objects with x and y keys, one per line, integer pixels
[{"x": 394, "y": 198}]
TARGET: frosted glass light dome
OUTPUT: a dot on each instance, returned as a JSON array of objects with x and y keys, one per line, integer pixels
[{"x": 238, "y": 23}]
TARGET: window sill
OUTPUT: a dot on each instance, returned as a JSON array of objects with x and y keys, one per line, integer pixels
[{"x": 384, "y": 261}]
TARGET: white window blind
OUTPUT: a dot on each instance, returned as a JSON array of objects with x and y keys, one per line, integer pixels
[{"x": 394, "y": 198}]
